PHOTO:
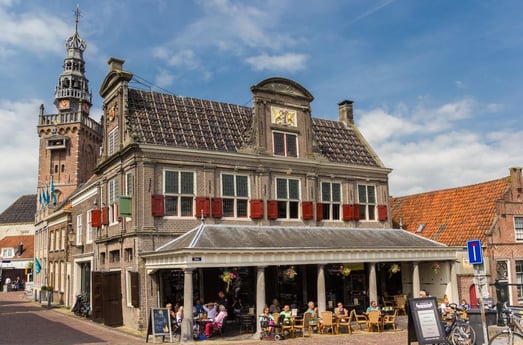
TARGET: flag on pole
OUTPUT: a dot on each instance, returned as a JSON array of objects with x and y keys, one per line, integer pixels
[
  {"x": 53, "y": 193},
  {"x": 46, "y": 194},
  {"x": 38, "y": 268},
  {"x": 40, "y": 196}
]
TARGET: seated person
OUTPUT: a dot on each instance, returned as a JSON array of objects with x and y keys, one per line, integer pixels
[
  {"x": 211, "y": 309},
  {"x": 373, "y": 306},
  {"x": 288, "y": 314},
  {"x": 464, "y": 305},
  {"x": 314, "y": 313},
  {"x": 275, "y": 306},
  {"x": 444, "y": 306},
  {"x": 266, "y": 319},
  {"x": 341, "y": 313},
  {"x": 172, "y": 314},
  {"x": 197, "y": 308},
  {"x": 217, "y": 322}
]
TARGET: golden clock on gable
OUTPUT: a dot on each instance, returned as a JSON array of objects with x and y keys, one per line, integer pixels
[{"x": 281, "y": 116}]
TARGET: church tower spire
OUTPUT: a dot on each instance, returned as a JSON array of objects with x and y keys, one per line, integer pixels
[{"x": 70, "y": 140}]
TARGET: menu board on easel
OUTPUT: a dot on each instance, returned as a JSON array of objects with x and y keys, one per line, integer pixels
[
  {"x": 425, "y": 315},
  {"x": 159, "y": 324}
]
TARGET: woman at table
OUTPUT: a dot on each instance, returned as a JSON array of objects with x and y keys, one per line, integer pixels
[
  {"x": 267, "y": 317},
  {"x": 373, "y": 306},
  {"x": 314, "y": 314},
  {"x": 217, "y": 323},
  {"x": 341, "y": 312}
]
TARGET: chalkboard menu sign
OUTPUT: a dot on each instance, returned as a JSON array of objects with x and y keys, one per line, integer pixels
[
  {"x": 427, "y": 320},
  {"x": 159, "y": 323}
]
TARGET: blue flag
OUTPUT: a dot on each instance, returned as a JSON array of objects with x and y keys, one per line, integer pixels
[
  {"x": 53, "y": 194},
  {"x": 38, "y": 268},
  {"x": 40, "y": 197},
  {"x": 46, "y": 194}
]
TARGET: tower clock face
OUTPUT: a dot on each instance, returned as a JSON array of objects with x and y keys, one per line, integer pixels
[{"x": 64, "y": 104}]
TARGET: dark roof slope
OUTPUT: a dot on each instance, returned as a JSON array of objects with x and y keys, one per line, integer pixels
[
  {"x": 223, "y": 237},
  {"x": 451, "y": 216},
  {"x": 21, "y": 211},
  {"x": 169, "y": 120}
]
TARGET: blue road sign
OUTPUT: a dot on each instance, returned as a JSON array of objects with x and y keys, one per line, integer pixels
[{"x": 475, "y": 252}]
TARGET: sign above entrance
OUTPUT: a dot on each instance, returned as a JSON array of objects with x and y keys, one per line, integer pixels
[{"x": 475, "y": 252}]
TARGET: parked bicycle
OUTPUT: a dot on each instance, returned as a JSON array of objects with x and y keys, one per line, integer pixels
[
  {"x": 513, "y": 333},
  {"x": 81, "y": 306},
  {"x": 457, "y": 327}
]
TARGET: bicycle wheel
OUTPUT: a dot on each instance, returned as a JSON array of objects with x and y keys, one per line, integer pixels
[
  {"x": 463, "y": 334},
  {"x": 505, "y": 339}
]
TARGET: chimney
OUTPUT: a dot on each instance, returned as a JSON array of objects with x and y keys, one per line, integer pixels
[
  {"x": 20, "y": 248},
  {"x": 345, "y": 112},
  {"x": 115, "y": 64},
  {"x": 515, "y": 177}
]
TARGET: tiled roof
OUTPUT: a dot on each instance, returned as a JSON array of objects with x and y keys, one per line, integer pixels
[
  {"x": 223, "y": 237},
  {"x": 21, "y": 211},
  {"x": 13, "y": 241},
  {"x": 450, "y": 216},
  {"x": 163, "y": 119}
]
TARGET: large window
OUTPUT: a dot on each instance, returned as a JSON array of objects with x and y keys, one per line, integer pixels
[
  {"x": 235, "y": 195},
  {"x": 89, "y": 230},
  {"x": 331, "y": 200},
  {"x": 79, "y": 229},
  {"x": 518, "y": 226},
  {"x": 113, "y": 142},
  {"x": 367, "y": 201},
  {"x": 288, "y": 197},
  {"x": 179, "y": 193},
  {"x": 285, "y": 144}
]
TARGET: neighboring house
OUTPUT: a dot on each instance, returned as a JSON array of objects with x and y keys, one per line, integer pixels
[
  {"x": 491, "y": 212},
  {"x": 19, "y": 217}
]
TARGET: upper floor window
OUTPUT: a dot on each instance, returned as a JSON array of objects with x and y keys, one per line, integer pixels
[
  {"x": 113, "y": 142},
  {"x": 367, "y": 201},
  {"x": 518, "y": 227},
  {"x": 113, "y": 192},
  {"x": 179, "y": 193},
  {"x": 285, "y": 144},
  {"x": 288, "y": 197},
  {"x": 519, "y": 279},
  {"x": 235, "y": 195},
  {"x": 331, "y": 200},
  {"x": 8, "y": 252},
  {"x": 79, "y": 229},
  {"x": 89, "y": 230},
  {"x": 128, "y": 184}
]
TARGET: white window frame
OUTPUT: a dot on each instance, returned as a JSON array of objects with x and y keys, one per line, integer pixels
[
  {"x": 234, "y": 197},
  {"x": 113, "y": 141},
  {"x": 180, "y": 196},
  {"x": 8, "y": 252},
  {"x": 518, "y": 228},
  {"x": 128, "y": 292},
  {"x": 329, "y": 204},
  {"x": 89, "y": 230},
  {"x": 79, "y": 229},
  {"x": 113, "y": 192},
  {"x": 286, "y": 201},
  {"x": 128, "y": 184},
  {"x": 368, "y": 210}
]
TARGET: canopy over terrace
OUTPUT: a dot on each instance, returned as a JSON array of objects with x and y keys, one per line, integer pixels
[{"x": 211, "y": 245}]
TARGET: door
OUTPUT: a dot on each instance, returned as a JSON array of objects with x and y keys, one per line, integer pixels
[
  {"x": 112, "y": 298},
  {"x": 474, "y": 303}
]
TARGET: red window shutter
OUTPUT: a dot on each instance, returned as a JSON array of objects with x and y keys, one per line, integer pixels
[
  {"x": 256, "y": 209},
  {"x": 348, "y": 212},
  {"x": 216, "y": 207},
  {"x": 96, "y": 219},
  {"x": 272, "y": 209},
  {"x": 202, "y": 207},
  {"x": 105, "y": 215},
  {"x": 157, "y": 205},
  {"x": 356, "y": 211},
  {"x": 319, "y": 211},
  {"x": 306, "y": 210},
  {"x": 382, "y": 213}
]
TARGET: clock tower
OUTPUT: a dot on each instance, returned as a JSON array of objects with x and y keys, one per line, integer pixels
[{"x": 70, "y": 139}]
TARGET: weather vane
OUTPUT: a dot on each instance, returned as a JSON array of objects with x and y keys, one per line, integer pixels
[{"x": 77, "y": 14}]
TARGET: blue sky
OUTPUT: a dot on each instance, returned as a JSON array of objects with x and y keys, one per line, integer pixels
[{"x": 437, "y": 85}]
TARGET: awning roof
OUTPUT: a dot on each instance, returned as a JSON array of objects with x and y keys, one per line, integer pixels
[{"x": 211, "y": 245}]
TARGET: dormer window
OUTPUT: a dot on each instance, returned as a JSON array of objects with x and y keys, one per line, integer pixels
[
  {"x": 285, "y": 144},
  {"x": 8, "y": 252}
]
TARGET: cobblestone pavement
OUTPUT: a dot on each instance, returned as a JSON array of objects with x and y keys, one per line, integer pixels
[{"x": 23, "y": 321}]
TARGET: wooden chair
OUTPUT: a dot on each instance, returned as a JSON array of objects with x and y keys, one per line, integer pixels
[
  {"x": 326, "y": 322},
  {"x": 387, "y": 301},
  {"x": 300, "y": 325},
  {"x": 286, "y": 328},
  {"x": 389, "y": 320},
  {"x": 360, "y": 319},
  {"x": 246, "y": 323},
  {"x": 400, "y": 301},
  {"x": 345, "y": 322},
  {"x": 374, "y": 319}
]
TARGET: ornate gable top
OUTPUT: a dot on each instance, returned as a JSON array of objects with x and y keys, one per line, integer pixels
[{"x": 283, "y": 86}]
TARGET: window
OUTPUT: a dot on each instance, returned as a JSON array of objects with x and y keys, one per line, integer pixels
[
  {"x": 132, "y": 289},
  {"x": 519, "y": 279},
  {"x": 114, "y": 256},
  {"x": 102, "y": 258},
  {"x": 79, "y": 220},
  {"x": 128, "y": 254},
  {"x": 179, "y": 193},
  {"x": 367, "y": 201},
  {"x": 89, "y": 230},
  {"x": 285, "y": 144},
  {"x": 113, "y": 142},
  {"x": 331, "y": 200},
  {"x": 113, "y": 191},
  {"x": 8, "y": 252},
  {"x": 235, "y": 195},
  {"x": 129, "y": 184},
  {"x": 288, "y": 197},
  {"x": 518, "y": 226}
]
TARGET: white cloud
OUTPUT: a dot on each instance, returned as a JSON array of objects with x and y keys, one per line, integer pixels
[
  {"x": 428, "y": 156},
  {"x": 163, "y": 78},
  {"x": 286, "y": 62}
]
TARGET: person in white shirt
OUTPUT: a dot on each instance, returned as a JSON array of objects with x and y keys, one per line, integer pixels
[{"x": 211, "y": 309}]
